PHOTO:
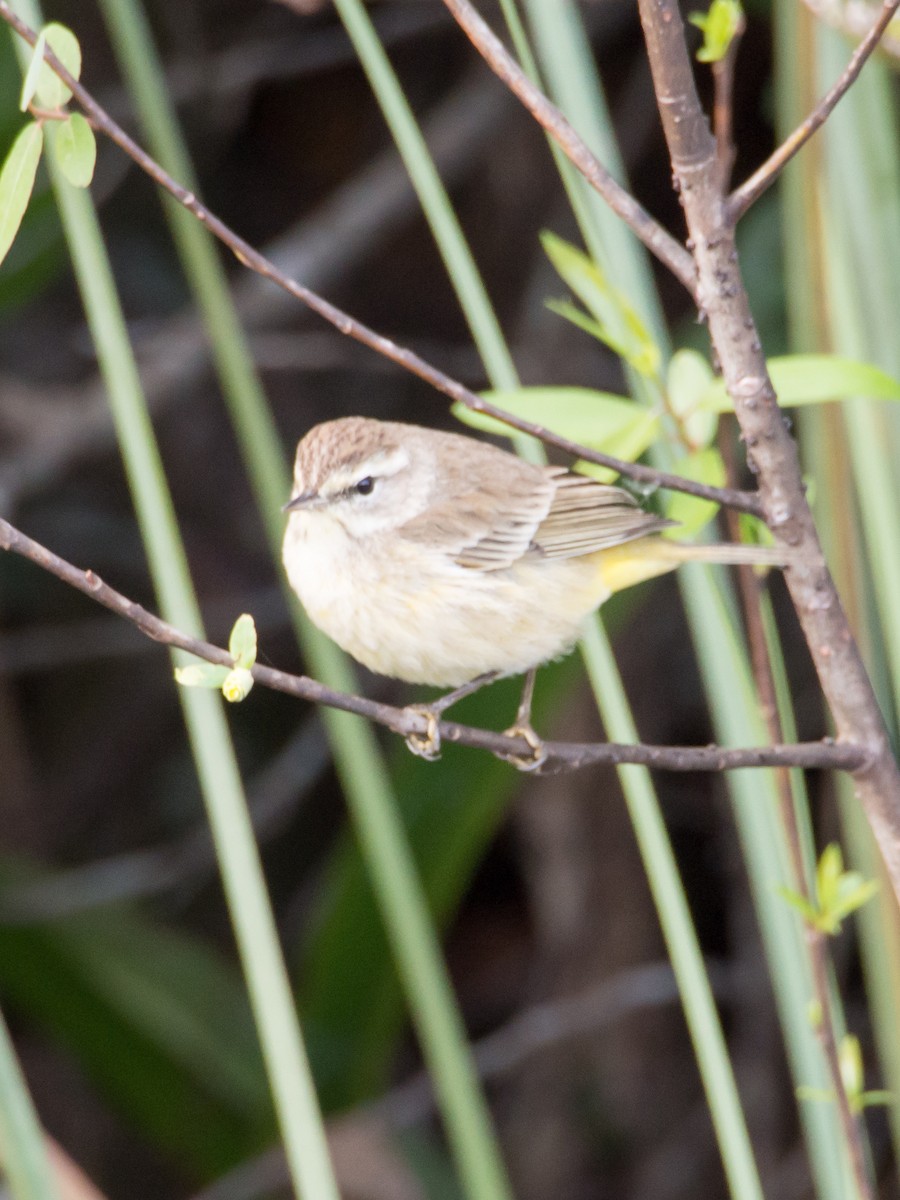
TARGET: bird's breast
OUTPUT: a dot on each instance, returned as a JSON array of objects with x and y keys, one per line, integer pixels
[{"x": 413, "y": 613}]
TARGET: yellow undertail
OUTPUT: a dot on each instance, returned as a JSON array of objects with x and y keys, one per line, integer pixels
[{"x": 623, "y": 566}]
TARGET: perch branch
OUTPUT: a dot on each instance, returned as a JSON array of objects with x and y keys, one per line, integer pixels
[{"x": 561, "y": 756}]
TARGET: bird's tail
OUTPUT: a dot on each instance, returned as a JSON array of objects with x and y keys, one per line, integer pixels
[{"x": 632, "y": 562}]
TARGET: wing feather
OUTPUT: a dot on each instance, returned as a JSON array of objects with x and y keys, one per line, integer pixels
[
  {"x": 535, "y": 511},
  {"x": 586, "y": 516}
]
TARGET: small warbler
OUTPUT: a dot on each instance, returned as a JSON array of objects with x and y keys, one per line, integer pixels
[{"x": 438, "y": 559}]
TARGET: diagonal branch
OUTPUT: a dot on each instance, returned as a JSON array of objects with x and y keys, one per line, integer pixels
[
  {"x": 763, "y": 177},
  {"x": 407, "y": 359},
  {"x": 658, "y": 240},
  {"x": 560, "y": 756}
]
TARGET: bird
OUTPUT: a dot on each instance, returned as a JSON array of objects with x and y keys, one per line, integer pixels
[{"x": 436, "y": 558}]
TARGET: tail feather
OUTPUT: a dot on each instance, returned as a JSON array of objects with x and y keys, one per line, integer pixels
[{"x": 633, "y": 562}]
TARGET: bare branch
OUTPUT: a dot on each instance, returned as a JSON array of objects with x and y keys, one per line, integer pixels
[
  {"x": 763, "y": 177},
  {"x": 249, "y": 257},
  {"x": 658, "y": 241},
  {"x": 770, "y": 446},
  {"x": 561, "y": 756}
]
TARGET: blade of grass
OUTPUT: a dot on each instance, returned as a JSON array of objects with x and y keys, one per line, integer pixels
[
  {"x": 733, "y": 710},
  {"x": 254, "y": 925},
  {"x": 678, "y": 929},
  {"x": 23, "y": 1150},
  {"x": 363, "y": 774},
  {"x": 845, "y": 265}
]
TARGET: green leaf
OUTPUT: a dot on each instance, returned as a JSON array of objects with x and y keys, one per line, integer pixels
[
  {"x": 242, "y": 642},
  {"x": 615, "y": 320},
  {"x": 75, "y": 150},
  {"x": 853, "y": 893},
  {"x": 590, "y": 418},
  {"x": 237, "y": 684},
  {"x": 831, "y": 864},
  {"x": 207, "y": 675},
  {"x": 157, "y": 1020},
  {"x": 687, "y": 380},
  {"x": 50, "y": 90},
  {"x": 691, "y": 512},
  {"x": 718, "y": 25},
  {"x": 800, "y": 903},
  {"x": 851, "y": 1064},
  {"x": 17, "y": 181},
  {"x": 627, "y": 443},
  {"x": 30, "y": 82},
  {"x": 815, "y": 379}
]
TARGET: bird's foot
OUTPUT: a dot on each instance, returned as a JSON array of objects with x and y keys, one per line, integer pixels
[
  {"x": 523, "y": 729},
  {"x": 425, "y": 745}
]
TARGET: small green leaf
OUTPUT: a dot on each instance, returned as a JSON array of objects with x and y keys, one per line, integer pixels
[
  {"x": 30, "y": 82},
  {"x": 590, "y": 418},
  {"x": 754, "y": 530},
  {"x": 718, "y": 25},
  {"x": 242, "y": 642},
  {"x": 237, "y": 685},
  {"x": 75, "y": 150},
  {"x": 687, "y": 380},
  {"x": 815, "y": 379},
  {"x": 207, "y": 675},
  {"x": 800, "y": 903},
  {"x": 615, "y": 320},
  {"x": 853, "y": 893},
  {"x": 50, "y": 90},
  {"x": 828, "y": 872},
  {"x": 628, "y": 443},
  {"x": 691, "y": 512},
  {"x": 17, "y": 181},
  {"x": 851, "y": 1064}
]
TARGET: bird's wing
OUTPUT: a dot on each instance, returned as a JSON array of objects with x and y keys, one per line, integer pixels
[
  {"x": 586, "y": 515},
  {"x": 550, "y": 512},
  {"x": 490, "y": 526}
]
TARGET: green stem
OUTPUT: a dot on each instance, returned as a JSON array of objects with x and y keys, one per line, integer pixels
[{"x": 23, "y": 1148}]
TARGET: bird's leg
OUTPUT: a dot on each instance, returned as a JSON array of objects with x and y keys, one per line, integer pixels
[
  {"x": 428, "y": 744},
  {"x": 523, "y": 728}
]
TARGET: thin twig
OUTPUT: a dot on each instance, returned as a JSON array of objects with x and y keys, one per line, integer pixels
[
  {"x": 409, "y": 361},
  {"x": 560, "y": 756},
  {"x": 723, "y": 102},
  {"x": 658, "y": 240},
  {"x": 763, "y": 177}
]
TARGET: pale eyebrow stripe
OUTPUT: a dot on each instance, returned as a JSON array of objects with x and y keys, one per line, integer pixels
[{"x": 382, "y": 464}]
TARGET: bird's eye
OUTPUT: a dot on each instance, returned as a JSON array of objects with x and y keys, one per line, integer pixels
[{"x": 365, "y": 486}]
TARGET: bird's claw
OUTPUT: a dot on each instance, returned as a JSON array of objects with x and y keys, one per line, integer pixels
[
  {"x": 538, "y": 749},
  {"x": 425, "y": 745}
]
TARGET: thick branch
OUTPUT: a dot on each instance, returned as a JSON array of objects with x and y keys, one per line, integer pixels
[
  {"x": 561, "y": 756},
  {"x": 723, "y": 297},
  {"x": 246, "y": 254},
  {"x": 763, "y": 177}
]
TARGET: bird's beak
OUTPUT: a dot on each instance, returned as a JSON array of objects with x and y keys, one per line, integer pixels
[{"x": 299, "y": 501}]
